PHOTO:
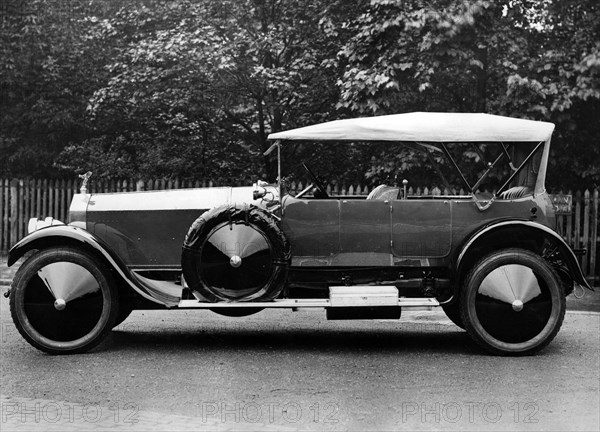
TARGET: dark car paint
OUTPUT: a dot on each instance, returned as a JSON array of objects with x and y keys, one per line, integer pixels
[
  {"x": 414, "y": 233},
  {"x": 144, "y": 239}
]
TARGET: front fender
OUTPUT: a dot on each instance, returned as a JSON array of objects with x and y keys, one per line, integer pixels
[
  {"x": 58, "y": 235},
  {"x": 526, "y": 229}
]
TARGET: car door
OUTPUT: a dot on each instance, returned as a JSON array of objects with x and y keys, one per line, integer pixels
[
  {"x": 421, "y": 228},
  {"x": 313, "y": 228},
  {"x": 338, "y": 232},
  {"x": 365, "y": 233}
]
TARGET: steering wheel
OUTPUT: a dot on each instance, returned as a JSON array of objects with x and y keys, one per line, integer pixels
[{"x": 316, "y": 182}]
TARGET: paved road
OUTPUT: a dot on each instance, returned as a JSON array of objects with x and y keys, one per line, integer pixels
[{"x": 278, "y": 370}]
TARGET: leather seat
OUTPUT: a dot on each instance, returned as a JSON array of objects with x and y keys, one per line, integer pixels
[
  {"x": 383, "y": 192},
  {"x": 515, "y": 192}
]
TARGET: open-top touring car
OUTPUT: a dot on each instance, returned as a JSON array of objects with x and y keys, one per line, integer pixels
[{"x": 493, "y": 262}]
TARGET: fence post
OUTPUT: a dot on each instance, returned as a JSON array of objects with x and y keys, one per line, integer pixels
[
  {"x": 570, "y": 223},
  {"x": 586, "y": 229},
  {"x": 14, "y": 208},
  {"x": 594, "y": 236},
  {"x": 62, "y": 212},
  {"x": 577, "y": 221},
  {"x": 6, "y": 220},
  {"x": 51, "y": 211},
  {"x": 69, "y": 197},
  {"x": 3, "y": 211},
  {"x": 19, "y": 218},
  {"x": 27, "y": 204}
]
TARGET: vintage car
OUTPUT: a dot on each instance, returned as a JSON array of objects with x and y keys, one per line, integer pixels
[{"x": 493, "y": 262}]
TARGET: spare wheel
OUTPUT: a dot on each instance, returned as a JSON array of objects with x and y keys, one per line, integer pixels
[{"x": 235, "y": 253}]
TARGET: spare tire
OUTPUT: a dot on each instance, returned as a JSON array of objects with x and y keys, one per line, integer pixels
[{"x": 235, "y": 253}]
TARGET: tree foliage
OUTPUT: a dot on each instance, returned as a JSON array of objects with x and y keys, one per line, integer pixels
[
  {"x": 198, "y": 86},
  {"x": 45, "y": 80},
  {"x": 191, "y": 89},
  {"x": 526, "y": 59}
]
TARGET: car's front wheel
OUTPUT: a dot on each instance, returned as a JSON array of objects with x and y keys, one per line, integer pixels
[
  {"x": 513, "y": 303},
  {"x": 63, "y": 301}
]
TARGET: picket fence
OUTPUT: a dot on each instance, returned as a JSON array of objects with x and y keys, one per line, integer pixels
[{"x": 22, "y": 199}]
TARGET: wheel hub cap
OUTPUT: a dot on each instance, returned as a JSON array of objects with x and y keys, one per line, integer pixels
[
  {"x": 60, "y": 304},
  {"x": 235, "y": 261},
  {"x": 517, "y": 305}
]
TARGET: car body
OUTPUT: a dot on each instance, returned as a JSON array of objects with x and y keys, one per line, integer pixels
[{"x": 493, "y": 263}]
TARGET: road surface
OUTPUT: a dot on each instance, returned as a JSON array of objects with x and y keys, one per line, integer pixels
[{"x": 280, "y": 370}]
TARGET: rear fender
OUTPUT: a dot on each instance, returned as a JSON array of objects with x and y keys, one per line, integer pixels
[
  {"x": 517, "y": 233},
  {"x": 66, "y": 235}
]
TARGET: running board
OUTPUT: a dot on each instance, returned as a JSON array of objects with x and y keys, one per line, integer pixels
[{"x": 339, "y": 296}]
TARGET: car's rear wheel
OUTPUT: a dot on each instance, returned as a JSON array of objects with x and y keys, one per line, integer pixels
[
  {"x": 63, "y": 301},
  {"x": 513, "y": 303},
  {"x": 452, "y": 311},
  {"x": 235, "y": 254}
]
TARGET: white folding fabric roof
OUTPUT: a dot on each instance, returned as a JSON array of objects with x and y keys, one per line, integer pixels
[{"x": 424, "y": 126}]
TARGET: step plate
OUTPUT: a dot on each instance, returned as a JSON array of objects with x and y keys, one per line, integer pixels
[{"x": 356, "y": 296}]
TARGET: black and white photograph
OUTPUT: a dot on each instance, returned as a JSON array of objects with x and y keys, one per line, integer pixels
[{"x": 299, "y": 215}]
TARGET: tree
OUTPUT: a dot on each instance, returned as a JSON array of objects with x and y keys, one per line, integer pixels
[
  {"x": 153, "y": 115},
  {"x": 521, "y": 58},
  {"x": 560, "y": 82},
  {"x": 212, "y": 78},
  {"x": 47, "y": 73}
]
